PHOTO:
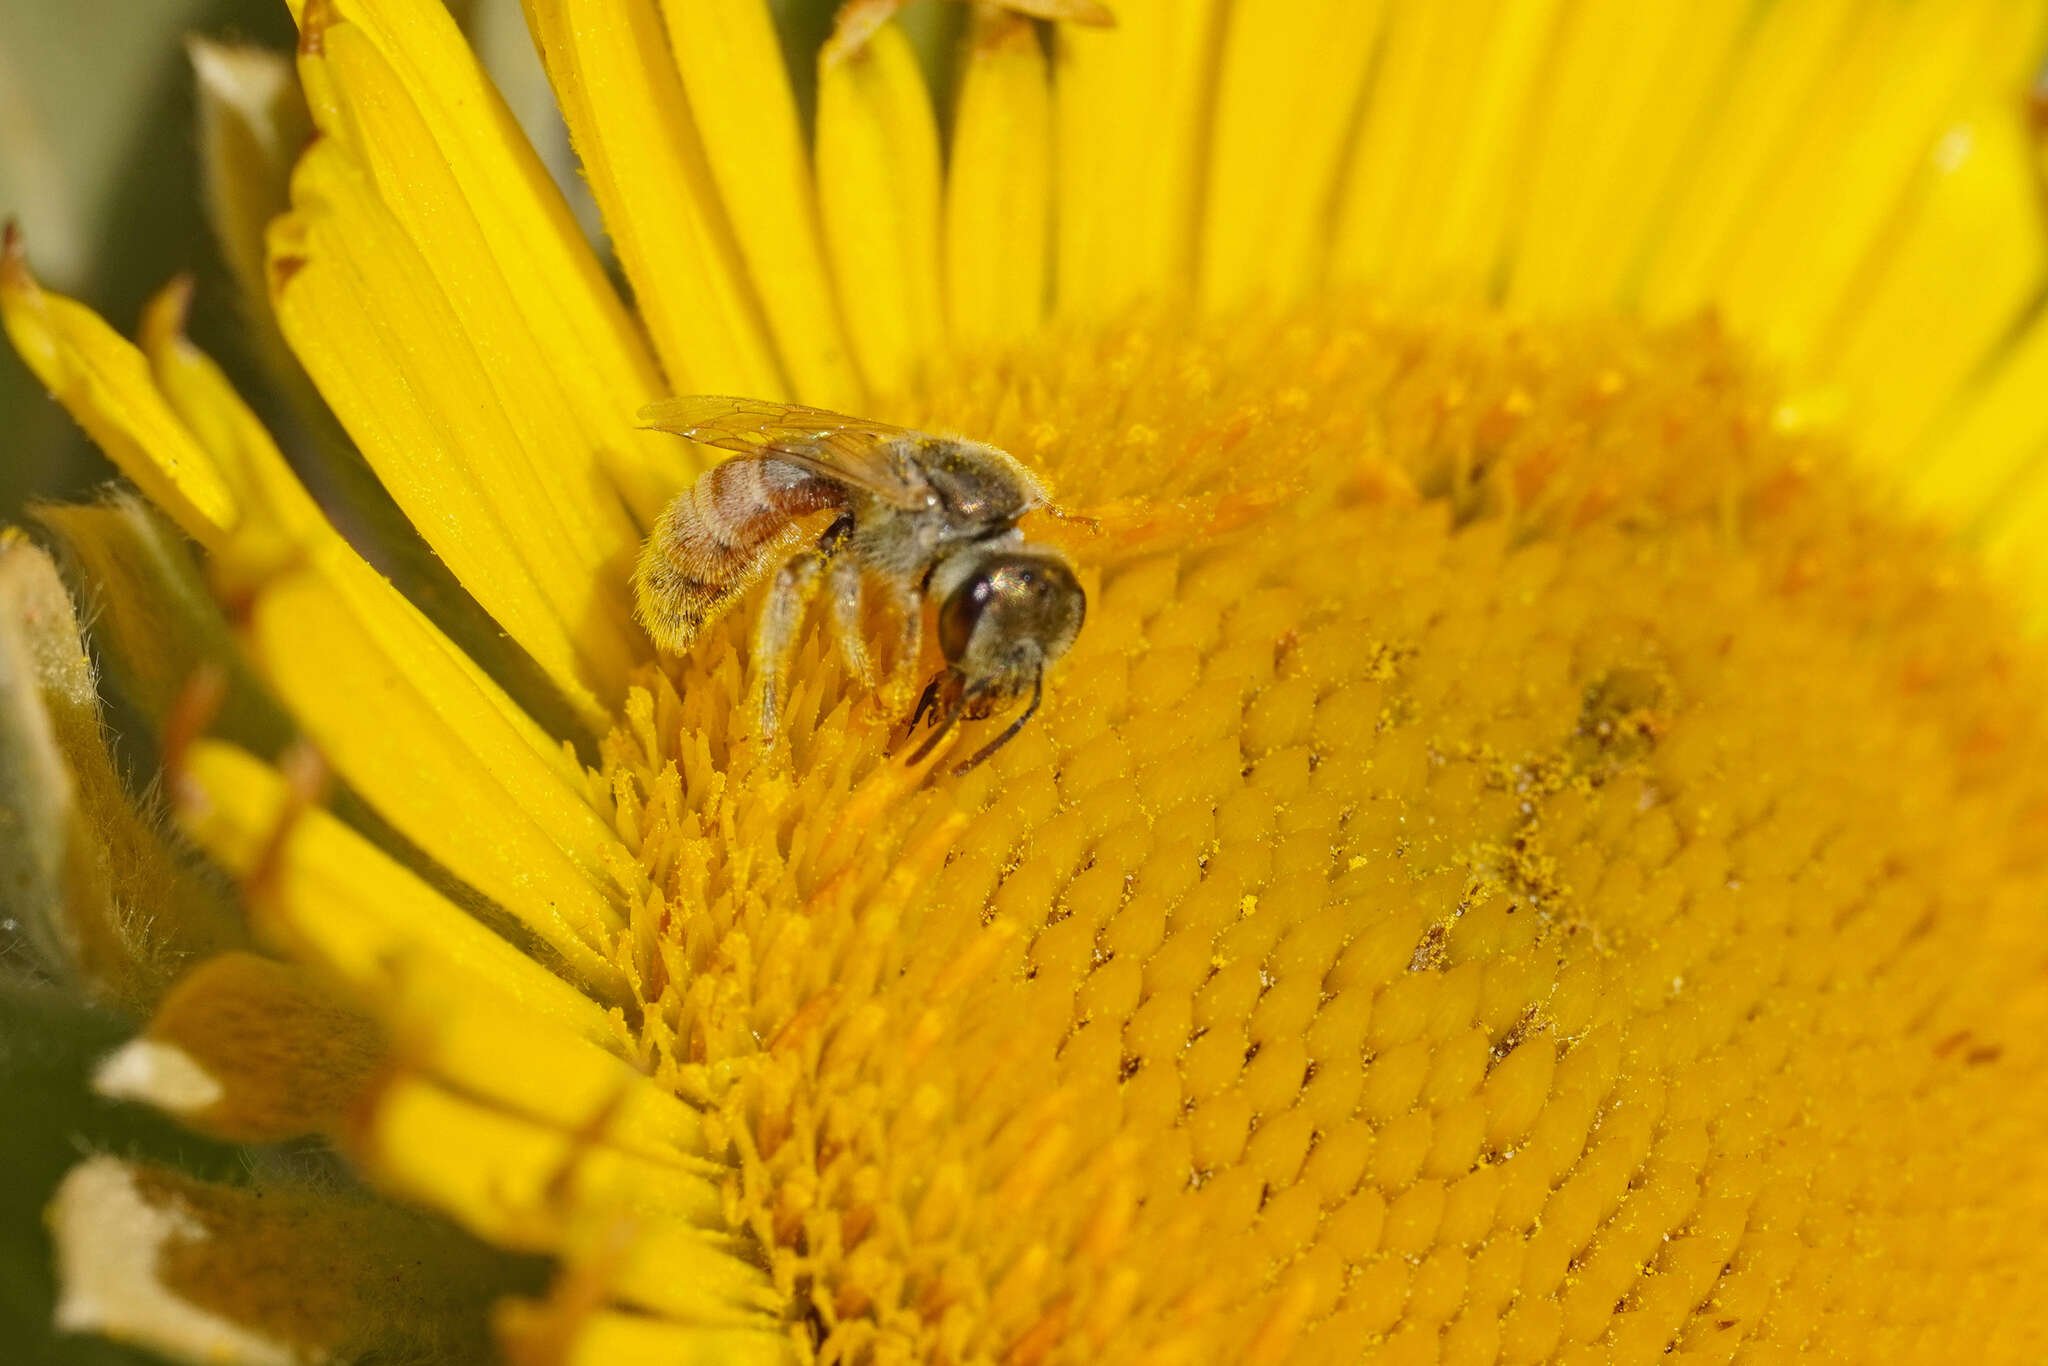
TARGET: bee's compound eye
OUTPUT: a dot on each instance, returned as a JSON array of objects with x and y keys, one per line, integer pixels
[
  {"x": 1025, "y": 598},
  {"x": 961, "y": 610}
]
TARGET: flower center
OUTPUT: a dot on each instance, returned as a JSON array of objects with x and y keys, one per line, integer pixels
[{"x": 1517, "y": 855}]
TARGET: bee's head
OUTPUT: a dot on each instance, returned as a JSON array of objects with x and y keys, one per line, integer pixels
[{"x": 1005, "y": 616}]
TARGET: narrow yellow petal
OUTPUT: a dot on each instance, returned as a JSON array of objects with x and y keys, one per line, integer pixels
[
  {"x": 249, "y": 1049},
  {"x": 878, "y": 192},
  {"x": 401, "y": 87},
  {"x": 379, "y": 337},
  {"x": 738, "y": 88},
  {"x": 1624, "y": 91},
  {"x": 2011, "y": 530},
  {"x": 1776, "y": 75},
  {"x": 391, "y": 706},
  {"x": 1457, "y": 207},
  {"x": 335, "y": 898},
  {"x": 1997, "y": 432},
  {"x": 103, "y": 382},
  {"x": 207, "y": 404},
  {"x": 329, "y": 633},
  {"x": 1286, "y": 90},
  {"x": 390, "y": 140},
  {"x": 210, "y": 407},
  {"x": 680, "y": 1273},
  {"x": 998, "y": 187},
  {"x": 631, "y": 124},
  {"x": 1415, "y": 106},
  {"x": 1130, "y": 104},
  {"x": 605, "y": 1338},
  {"x": 507, "y": 1179},
  {"x": 1944, "y": 287},
  {"x": 491, "y": 1049},
  {"x": 1853, "y": 152}
]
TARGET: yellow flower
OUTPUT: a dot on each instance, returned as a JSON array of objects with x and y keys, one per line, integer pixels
[{"x": 1533, "y": 856}]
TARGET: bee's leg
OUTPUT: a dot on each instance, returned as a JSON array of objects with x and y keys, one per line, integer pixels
[
  {"x": 902, "y": 680},
  {"x": 846, "y": 622},
  {"x": 775, "y": 634}
]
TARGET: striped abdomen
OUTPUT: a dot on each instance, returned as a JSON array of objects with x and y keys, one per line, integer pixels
[{"x": 719, "y": 535}]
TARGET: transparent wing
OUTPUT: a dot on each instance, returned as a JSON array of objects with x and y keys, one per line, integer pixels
[{"x": 852, "y": 450}]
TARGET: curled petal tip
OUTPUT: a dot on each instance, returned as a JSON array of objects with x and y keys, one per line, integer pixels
[
  {"x": 165, "y": 316},
  {"x": 14, "y": 257},
  {"x": 314, "y": 21}
]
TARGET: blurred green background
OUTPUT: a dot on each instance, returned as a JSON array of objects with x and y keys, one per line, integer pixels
[{"x": 98, "y": 166}]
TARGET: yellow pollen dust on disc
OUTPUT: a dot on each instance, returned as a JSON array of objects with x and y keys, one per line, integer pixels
[{"x": 1524, "y": 862}]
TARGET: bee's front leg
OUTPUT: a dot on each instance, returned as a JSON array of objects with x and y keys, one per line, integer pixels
[
  {"x": 775, "y": 635},
  {"x": 846, "y": 622},
  {"x": 902, "y": 680}
]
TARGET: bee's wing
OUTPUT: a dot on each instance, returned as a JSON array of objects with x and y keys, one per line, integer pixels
[{"x": 852, "y": 450}]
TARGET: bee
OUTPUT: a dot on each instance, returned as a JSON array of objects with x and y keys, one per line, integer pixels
[{"x": 927, "y": 516}]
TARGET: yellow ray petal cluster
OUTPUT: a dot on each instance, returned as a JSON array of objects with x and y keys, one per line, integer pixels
[{"x": 1530, "y": 859}]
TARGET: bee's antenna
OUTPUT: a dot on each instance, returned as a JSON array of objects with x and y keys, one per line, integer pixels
[
  {"x": 1037, "y": 693},
  {"x": 1092, "y": 525}
]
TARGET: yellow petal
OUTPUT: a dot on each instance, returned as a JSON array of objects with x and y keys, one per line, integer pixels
[
  {"x": 207, "y": 404},
  {"x": 998, "y": 188},
  {"x": 646, "y": 164},
  {"x": 389, "y": 139},
  {"x": 272, "y": 1274},
  {"x": 519, "y": 1184},
  {"x": 399, "y": 85},
  {"x": 329, "y": 632},
  {"x": 2012, "y": 537},
  {"x": 1998, "y": 430},
  {"x": 1852, "y": 152},
  {"x": 488, "y": 1048},
  {"x": 1623, "y": 92},
  {"x": 1423, "y": 210},
  {"x": 1944, "y": 286},
  {"x": 705, "y": 1280},
  {"x": 410, "y": 723},
  {"x": 601, "y": 1338},
  {"x": 878, "y": 191},
  {"x": 1285, "y": 94},
  {"x": 738, "y": 88},
  {"x": 249, "y": 1049},
  {"x": 1776, "y": 74},
  {"x": 441, "y": 724},
  {"x": 104, "y": 383},
  {"x": 365, "y": 315},
  {"x": 329, "y": 895},
  {"x": 1129, "y": 104}
]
